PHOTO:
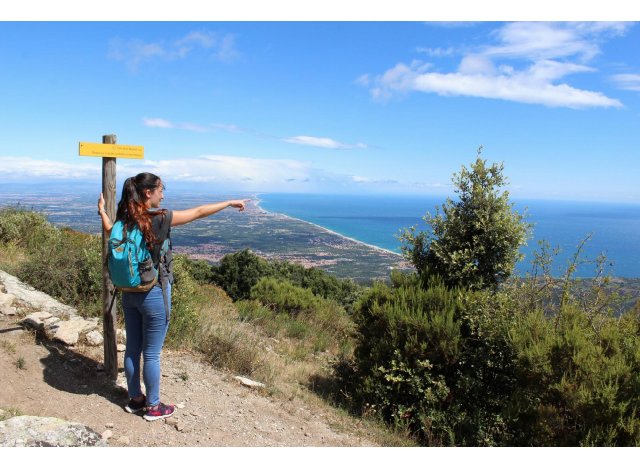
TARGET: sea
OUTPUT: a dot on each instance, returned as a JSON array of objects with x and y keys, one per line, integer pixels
[{"x": 610, "y": 229}]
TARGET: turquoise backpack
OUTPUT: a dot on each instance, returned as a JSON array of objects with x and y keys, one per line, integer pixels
[{"x": 129, "y": 260}]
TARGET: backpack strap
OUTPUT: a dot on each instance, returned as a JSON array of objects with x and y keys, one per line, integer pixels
[
  {"x": 162, "y": 235},
  {"x": 163, "y": 284}
]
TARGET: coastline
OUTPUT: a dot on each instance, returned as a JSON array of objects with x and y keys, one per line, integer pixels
[{"x": 325, "y": 229}]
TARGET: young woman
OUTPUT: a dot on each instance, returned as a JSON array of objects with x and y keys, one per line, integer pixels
[{"x": 145, "y": 315}]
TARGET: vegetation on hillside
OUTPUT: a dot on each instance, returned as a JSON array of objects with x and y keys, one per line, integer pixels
[{"x": 455, "y": 353}]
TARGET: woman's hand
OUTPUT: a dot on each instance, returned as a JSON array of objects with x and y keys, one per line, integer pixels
[
  {"x": 238, "y": 203},
  {"x": 106, "y": 223},
  {"x": 100, "y": 203}
]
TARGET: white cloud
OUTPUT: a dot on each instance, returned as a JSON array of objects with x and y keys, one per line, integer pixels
[
  {"x": 436, "y": 51},
  {"x": 187, "y": 126},
  {"x": 363, "y": 80},
  {"x": 322, "y": 142},
  {"x": 231, "y": 170},
  {"x": 530, "y": 86},
  {"x": 628, "y": 81},
  {"x": 134, "y": 52},
  {"x": 158, "y": 122},
  {"x": 223, "y": 168},
  {"x": 234, "y": 173},
  {"x": 551, "y": 52},
  {"x": 26, "y": 168},
  {"x": 372, "y": 181}
]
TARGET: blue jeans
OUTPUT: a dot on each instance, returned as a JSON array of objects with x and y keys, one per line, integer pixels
[{"x": 146, "y": 323}]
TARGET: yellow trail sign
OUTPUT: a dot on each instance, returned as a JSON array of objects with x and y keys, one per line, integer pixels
[{"x": 89, "y": 149}]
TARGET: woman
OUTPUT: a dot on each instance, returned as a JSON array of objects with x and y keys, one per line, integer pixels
[{"x": 145, "y": 315}]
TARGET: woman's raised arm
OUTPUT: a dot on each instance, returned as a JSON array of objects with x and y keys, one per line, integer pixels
[
  {"x": 107, "y": 225},
  {"x": 189, "y": 215}
]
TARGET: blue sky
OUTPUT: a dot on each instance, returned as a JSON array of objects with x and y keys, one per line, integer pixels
[{"x": 334, "y": 107}]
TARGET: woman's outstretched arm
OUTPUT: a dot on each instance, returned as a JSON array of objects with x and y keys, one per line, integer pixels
[
  {"x": 107, "y": 225},
  {"x": 189, "y": 215}
]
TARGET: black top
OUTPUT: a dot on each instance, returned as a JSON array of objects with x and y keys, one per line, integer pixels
[{"x": 161, "y": 225}]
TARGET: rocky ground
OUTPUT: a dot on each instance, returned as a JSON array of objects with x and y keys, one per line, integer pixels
[{"x": 45, "y": 377}]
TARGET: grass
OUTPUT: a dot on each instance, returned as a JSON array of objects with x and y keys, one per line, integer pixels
[
  {"x": 9, "y": 413},
  {"x": 8, "y": 346},
  {"x": 21, "y": 363},
  {"x": 246, "y": 338}
]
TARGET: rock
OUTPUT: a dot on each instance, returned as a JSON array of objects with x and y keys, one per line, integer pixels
[
  {"x": 107, "y": 434},
  {"x": 109, "y": 425},
  {"x": 36, "y": 320},
  {"x": 94, "y": 338},
  {"x": 123, "y": 441},
  {"x": 180, "y": 405},
  {"x": 249, "y": 383},
  {"x": 69, "y": 331},
  {"x": 121, "y": 382},
  {"x": 6, "y": 300},
  {"x": 121, "y": 336},
  {"x": 49, "y": 323},
  {"x": 171, "y": 421},
  {"x": 35, "y": 431},
  {"x": 32, "y": 299},
  {"x": 121, "y": 347},
  {"x": 7, "y": 310}
]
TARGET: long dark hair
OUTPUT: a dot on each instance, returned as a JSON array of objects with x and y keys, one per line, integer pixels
[{"x": 131, "y": 208}]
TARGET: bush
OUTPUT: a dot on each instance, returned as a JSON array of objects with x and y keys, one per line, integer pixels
[
  {"x": 68, "y": 266},
  {"x": 475, "y": 368},
  {"x": 408, "y": 338},
  {"x": 184, "y": 308},
  {"x": 578, "y": 380},
  {"x": 239, "y": 272},
  {"x": 474, "y": 242},
  {"x": 284, "y": 297},
  {"x": 26, "y": 229},
  {"x": 279, "y": 307}
]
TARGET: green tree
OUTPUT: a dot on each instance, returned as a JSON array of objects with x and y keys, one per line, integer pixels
[{"x": 474, "y": 242}]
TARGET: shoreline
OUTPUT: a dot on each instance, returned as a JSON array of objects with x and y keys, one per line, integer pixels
[{"x": 325, "y": 229}]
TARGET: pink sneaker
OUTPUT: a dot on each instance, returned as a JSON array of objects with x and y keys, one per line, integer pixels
[{"x": 159, "y": 411}]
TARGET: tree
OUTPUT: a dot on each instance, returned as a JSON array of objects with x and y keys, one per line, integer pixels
[{"x": 475, "y": 241}]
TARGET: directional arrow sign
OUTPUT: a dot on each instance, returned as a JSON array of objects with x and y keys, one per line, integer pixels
[{"x": 88, "y": 149}]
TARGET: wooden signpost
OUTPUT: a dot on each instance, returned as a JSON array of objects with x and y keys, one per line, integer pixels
[{"x": 108, "y": 151}]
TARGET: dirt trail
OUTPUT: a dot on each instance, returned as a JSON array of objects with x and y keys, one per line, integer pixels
[{"x": 44, "y": 378}]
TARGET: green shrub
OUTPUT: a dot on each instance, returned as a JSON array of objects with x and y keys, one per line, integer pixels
[
  {"x": 409, "y": 339},
  {"x": 322, "y": 284},
  {"x": 578, "y": 380},
  {"x": 26, "y": 229},
  {"x": 474, "y": 242},
  {"x": 201, "y": 271},
  {"x": 282, "y": 296},
  {"x": 184, "y": 308},
  {"x": 68, "y": 266},
  {"x": 239, "y": 272},
  {"x": 476, "y": 368},
  {"x": 282, "y": 308}
]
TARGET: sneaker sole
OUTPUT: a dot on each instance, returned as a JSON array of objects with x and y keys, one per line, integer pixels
[
  {"x": 133, "y": 410},
  {"x": 153, "y": 418}
]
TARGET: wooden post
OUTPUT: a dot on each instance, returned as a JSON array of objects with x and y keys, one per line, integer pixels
[{"x": 109, "y": 314}]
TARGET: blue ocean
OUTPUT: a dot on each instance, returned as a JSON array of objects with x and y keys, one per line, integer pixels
[{"x": 377, "y": 220}]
